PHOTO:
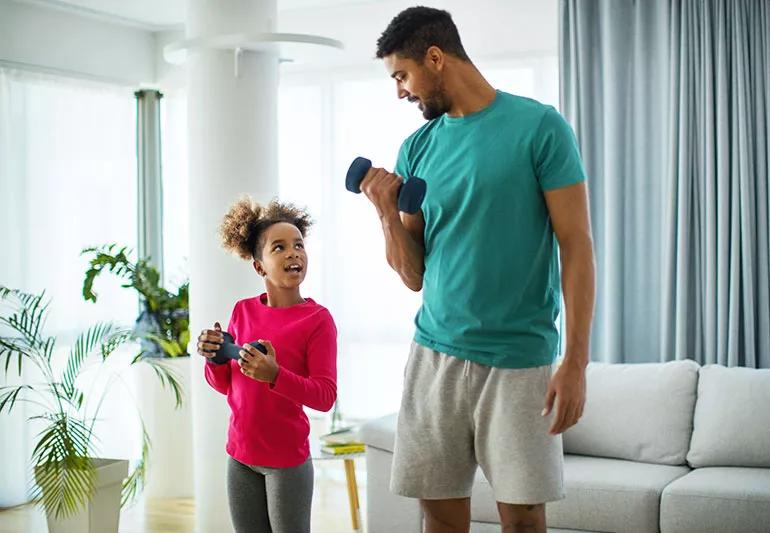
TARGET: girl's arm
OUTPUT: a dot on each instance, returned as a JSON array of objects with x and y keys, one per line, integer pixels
[
  {"x": 319, "y": 390},
  {"x": 219, "y": 376}
]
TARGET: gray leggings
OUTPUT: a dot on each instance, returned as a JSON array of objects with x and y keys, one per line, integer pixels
[{"x": 270, "y": 500}]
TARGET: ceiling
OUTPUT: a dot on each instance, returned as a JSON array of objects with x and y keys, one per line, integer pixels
[{"x": 160, "y": 14}]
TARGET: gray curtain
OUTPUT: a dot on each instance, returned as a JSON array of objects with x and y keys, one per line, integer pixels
[{"x": 669, "y": 101}]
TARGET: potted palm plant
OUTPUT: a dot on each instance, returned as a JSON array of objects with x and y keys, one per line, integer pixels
[
  {"x": 79, "y": 490},
  {"x": 162, "y": 329}
]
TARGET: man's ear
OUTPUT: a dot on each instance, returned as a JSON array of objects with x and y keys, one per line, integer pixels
[{"x": 434, "y": 58}]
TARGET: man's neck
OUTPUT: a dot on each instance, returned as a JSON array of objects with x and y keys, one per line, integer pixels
[{"x": 468, "y": 90}]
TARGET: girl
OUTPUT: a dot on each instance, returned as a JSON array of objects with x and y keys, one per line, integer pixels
[{"x": 270, "y": 473}]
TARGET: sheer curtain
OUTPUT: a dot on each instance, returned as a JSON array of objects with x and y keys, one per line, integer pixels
[{"x": 67, "y": 181}]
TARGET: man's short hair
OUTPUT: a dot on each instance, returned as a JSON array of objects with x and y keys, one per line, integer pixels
[{"x": 416, "y": 29}]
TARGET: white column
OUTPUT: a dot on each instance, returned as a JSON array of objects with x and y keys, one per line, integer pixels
[{"x": 232, "y": 150}]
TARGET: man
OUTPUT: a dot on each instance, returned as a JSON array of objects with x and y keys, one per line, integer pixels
[{"x": 504, "y": 184}]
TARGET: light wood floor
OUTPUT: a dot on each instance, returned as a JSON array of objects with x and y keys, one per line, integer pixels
[{"x": 331, "y": 512}]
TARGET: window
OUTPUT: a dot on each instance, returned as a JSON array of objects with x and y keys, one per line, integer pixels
[
  {"x": 67, "y": 181},
  {"x": 68, "y": 177},
  {"x": 176, "y": 225}
]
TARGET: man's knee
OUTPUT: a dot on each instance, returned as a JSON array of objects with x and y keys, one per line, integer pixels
[
  {"x": 447, "y": 516},
  {"x": 522, "y": 518}
]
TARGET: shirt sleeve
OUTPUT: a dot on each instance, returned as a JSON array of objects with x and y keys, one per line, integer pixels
[
  {"x": 319, "y": 389},
  {"x": 219, "y": 376},
  {"x": 556, "y": 153},
  {"x": 402, "y": 162}
]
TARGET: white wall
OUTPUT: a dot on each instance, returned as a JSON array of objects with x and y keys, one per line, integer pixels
[
  {"x": 50, "y": 39},
  {"x": 47, "y": 38},
  {"x": 489, "y": 28},
  {"x": 170, "y": 79}
]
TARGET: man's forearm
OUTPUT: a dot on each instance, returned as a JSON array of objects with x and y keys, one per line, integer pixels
[
  {"x": 578, "y": 280},
  {"x": 404, "y": 254}
]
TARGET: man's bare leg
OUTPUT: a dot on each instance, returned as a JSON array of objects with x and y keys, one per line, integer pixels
[
  {"x": 522, "y": 518},
  {"x": 447, "y": 516}
]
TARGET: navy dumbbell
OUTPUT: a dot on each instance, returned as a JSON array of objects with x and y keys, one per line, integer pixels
[
  {"x": 229, "y": 350},
  {"x": 410, "y": 194}
]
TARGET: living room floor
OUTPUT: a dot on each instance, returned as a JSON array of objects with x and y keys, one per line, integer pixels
[{"x": 331, "y": 510}]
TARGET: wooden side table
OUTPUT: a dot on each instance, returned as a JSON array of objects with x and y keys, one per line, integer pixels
[{"x": 350, "y": 475}]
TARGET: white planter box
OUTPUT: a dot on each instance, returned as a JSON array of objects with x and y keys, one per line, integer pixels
[
  {"x": 102, "y": 513},
  {"x": 170, "y": 468}
]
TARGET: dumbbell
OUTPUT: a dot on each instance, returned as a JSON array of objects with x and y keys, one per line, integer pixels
[
  {"x": 229, "y": 350},
  {"x": 410, "y": 194}
]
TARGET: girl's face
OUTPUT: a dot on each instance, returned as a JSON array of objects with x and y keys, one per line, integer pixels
[{"x": 284, "y": 260}]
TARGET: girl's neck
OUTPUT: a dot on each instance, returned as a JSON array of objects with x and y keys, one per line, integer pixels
[{"x": 283, "y": 297}]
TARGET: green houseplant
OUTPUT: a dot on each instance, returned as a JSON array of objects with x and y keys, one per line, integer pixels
[
  {"x": 163, "y": 333},
  {"x": 163, "y": 326},
  {"x": 64, "y": 453}
]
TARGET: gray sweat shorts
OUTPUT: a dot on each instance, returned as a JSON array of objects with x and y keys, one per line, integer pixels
[{"x": 456, "y": 414}]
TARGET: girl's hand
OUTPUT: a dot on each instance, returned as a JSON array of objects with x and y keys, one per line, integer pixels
[
  {"x": 259, "y": 366},
  {"x": 210, "y": 340}
]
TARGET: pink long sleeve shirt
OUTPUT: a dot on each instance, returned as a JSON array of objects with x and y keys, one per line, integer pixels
[{"x": 268, "y": 426}]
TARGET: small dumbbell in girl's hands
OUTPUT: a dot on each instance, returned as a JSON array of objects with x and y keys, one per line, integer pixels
[
  {"x": 210, "y": 340},
  {"x": 257, "y": 365}
]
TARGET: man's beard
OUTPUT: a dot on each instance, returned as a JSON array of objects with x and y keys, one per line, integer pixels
[{"x": 436, "y": 103}]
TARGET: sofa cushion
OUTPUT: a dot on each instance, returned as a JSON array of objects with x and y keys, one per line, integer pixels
[
  {"x": 602, "y": 495},
  {"x": 380, "y": 432},
  {"x": 732, "y": 418},
  {"x": 640, "y": 412},
  {"x": 724, "y": 499}
]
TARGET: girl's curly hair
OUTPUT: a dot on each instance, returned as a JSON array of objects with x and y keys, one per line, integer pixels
[{"x": 243, "y": 228}]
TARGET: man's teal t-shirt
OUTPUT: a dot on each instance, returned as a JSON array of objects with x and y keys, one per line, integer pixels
[{"x": 491, "y": 286}]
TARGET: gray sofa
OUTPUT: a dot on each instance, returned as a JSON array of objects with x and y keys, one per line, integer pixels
[{"x": 671, "y": 447}]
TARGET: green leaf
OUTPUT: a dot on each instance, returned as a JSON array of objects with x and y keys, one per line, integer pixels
[
  {"x": 105, "y": 257},
  {"x": 9, "y": 395},
  {"x": 168, "y": 378},
  {"x": 10, "y": 347},
  {"x": 88, "y": 285},
  {"x": 84, "y": 345},
  {"x": 64, "y": 472},
  {"x": 135, "y": 482},
  {"x": 115, "y": 340},
  {"x": 184, "y": 339},
  {"x": 28, "y": 317},
  {"x": 24, "y": 314},
  {"x": 170, "y": 348}
]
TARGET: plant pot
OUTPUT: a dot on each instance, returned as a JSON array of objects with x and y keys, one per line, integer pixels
[
  {"x": 170, "y": 465},
  {"x": 102, "y": 512}
]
